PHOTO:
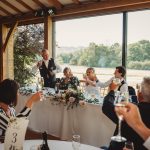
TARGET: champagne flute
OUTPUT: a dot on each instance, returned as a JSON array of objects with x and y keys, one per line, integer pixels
[
  {"x": 119, "y": 105},
  {"x": 76, "y": 142}
]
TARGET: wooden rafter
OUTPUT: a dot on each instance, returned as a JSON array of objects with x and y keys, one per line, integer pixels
[
  {"x": 76, "y": 1},
  {"x": 25, "y": 5},
  {"x": 9, "y": 35},
  {"x": 5, "y": 11},
  {"x": 11, "y": 6},
  {"x": 39, "y": 3},
  {"x": 95, "y": 8},
  {"x": 101, "y": 12},
  {"x": 102, "y": 5},
  {"x": 56, "y": 3}
]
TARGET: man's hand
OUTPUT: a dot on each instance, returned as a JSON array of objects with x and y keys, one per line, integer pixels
[
  {"x": 113, "y": 86},
  {"x": 51, "y": 73},
  {"x": 39, "y": 64},
  {"x": 132, "y": 115}
]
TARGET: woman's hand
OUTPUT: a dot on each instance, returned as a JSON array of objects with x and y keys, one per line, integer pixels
[{"x": 33, "y": 99}]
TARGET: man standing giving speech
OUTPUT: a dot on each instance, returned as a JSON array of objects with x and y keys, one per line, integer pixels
[{"x": 48, "y": 69}]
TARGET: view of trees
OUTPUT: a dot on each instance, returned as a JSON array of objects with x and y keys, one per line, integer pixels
[
  {"x": 110, "y": 56},
  {"x": 29, "y": 42},
  {"x": 26, "y": 50}
]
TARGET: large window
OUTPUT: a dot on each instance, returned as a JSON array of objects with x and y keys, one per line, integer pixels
[
  {"x": 90, "y": 42},
  {"x": 138, "y": 60}
]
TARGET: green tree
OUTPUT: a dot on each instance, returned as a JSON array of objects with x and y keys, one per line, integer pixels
[{"x": 26, "y": 49}]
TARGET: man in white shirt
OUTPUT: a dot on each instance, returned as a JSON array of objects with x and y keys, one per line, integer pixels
[
  {"x": 48, "y": 69},
  {"x": 120, "y": 73}
]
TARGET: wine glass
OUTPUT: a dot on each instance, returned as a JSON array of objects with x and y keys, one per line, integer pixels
[
  {"x": 76, "y": 142},
  {"x": 129, "y": 145},
  {"x": 120, "y": 98},
  {"x": 39, "y": 87}
]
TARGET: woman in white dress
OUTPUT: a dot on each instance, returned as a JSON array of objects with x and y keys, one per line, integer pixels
[{"x": 92, "y": 84}]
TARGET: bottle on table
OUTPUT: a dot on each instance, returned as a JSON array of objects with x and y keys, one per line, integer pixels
[{"x": 44, "y": 146}]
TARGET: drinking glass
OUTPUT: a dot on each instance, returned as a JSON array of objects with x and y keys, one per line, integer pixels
[
  {"x": 76, "y": 142},
  {"x": 116, "y": 81},
  {"x": 129, "y": 145},
  {"x": 119, "y": 98},
  {"x": 39, "y": 87}
]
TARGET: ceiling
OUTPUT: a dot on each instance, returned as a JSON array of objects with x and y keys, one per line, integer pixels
[{"x": 24, "y": 10}]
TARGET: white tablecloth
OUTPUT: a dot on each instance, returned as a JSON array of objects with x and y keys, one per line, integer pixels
[
  {"x": 88, "y": 121},
  {"x": 54, "y": 145}
]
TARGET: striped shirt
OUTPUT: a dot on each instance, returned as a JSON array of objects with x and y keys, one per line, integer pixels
[{"x": 4, "y": 118}]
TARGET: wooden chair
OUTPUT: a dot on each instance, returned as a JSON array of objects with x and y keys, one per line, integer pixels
[
  {"x": 103, "y": 91},
  {"x": 31, "y": 134}
]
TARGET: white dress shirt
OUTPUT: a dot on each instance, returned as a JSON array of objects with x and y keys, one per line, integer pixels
[
  {"x": 124, "y": 87},
  {"x": 57, "y": 70},
  {"x": 104, "y": 84},
  {"x": 147, "y": 143}
]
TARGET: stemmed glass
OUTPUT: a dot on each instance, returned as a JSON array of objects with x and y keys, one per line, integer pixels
[
  {"x": 120, "y": 99},
  {"x": 39, "y": 87},
  {"x": 76, "y": 142}
]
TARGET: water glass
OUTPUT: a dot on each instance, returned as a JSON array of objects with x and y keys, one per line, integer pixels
[
  {"x": 76, "y": 142},
  {"x": 116, "y": 81},
  {"x": 129, "y": 145}
]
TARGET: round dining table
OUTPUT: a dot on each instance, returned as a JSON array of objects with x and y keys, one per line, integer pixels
[{"x": 54, "y": 145}]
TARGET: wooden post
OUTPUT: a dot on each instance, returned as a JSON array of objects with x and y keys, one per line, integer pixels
[
  {"x": 48, "y": 34},
  {"x": 9, "y": 35},
  {"x": 6, "y": 51},
  {"x": 1, "y": 54}
]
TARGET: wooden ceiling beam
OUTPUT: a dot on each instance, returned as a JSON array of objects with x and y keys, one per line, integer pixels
[
  {"x": 11, "y": 6},
  {"x": 85, "y": 10},
  {"x": 9, "y": 35},
  {"x": 99, "y": 6},
  {"x": 39, "y": 3},
  {"x": 5, "y": 11},
  {"x": 76, "y": 1},
  {"x": 102, "y": 12},
  {"x": 25, "y": 5},
  {"x": 56, "y": 3}
]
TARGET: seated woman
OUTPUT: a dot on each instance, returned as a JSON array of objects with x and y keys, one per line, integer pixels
[
  {"x": 68, "y": 81},
  {"x": 8, "y": 100},
  {"x": 92, "y": 84},
  {"x": 90, "y": 80}
]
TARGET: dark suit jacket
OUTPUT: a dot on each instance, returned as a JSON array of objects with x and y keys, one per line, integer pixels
[
  {"x": 126, "y": 131},
  {"x": 49, "y": 80}
]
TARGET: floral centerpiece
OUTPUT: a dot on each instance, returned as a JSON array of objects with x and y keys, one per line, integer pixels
[{"x": 69, "y": 98}]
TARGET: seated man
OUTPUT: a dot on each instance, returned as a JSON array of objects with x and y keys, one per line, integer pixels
[{"x": 126, "y": 131}]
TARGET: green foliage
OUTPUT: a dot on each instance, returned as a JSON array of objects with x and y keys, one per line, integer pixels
[
  {"x": 110, "y": 56},
  {"x": 26, "y": 49},
  {"x": 95, "y": 56},
  {"x": 139, "y": 55}
]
